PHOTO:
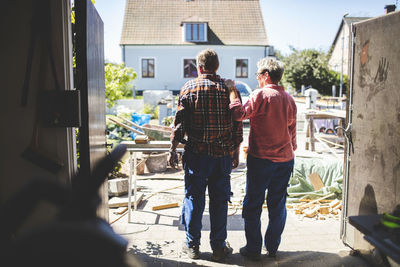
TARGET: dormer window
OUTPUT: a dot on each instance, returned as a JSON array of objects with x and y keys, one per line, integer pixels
[{"x": 195, "y": 32}]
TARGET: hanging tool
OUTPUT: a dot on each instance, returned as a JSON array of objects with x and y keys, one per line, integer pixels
[
  {"x": 33, "y": 153},
  {"x": 38, "y": 25}
]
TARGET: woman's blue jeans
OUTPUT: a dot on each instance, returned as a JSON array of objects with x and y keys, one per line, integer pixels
[
  {"x": 264, "y": 175},
  {"x": 202, "y": 171}
]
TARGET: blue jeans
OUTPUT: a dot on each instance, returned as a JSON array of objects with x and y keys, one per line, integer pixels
[
  {"x": 202, "y": 171},
  {"x": 273, "y": 177}
]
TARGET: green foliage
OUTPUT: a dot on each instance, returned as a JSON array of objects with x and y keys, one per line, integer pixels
[
  {"x": 310, "y": 67},
  {"x": 167, "y": 121},
  {"x": 117, "y": 79},
  {"x": 73, "y": 12},
  {"x": 153, "y": 110},
  {"x": 116, "y": 132},
  {"x": 116, "y": 171},
  {"x": 77, "y": 135}
]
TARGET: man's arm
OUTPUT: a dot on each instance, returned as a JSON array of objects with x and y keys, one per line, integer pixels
[
  {"x": 233, "y": 92},
  {"x": 237, "y": 126},
  {"x": 239, "y": 110},
  {"x": 178, "y": 134},
  {"x": 173, "y": 157}
]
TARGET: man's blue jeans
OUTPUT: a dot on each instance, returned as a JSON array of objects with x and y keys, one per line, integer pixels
[
  {"x": 273, "y": 177},
  {"x": 202, "y": 171}
]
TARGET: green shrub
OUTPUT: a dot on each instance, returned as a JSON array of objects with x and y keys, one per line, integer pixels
[{"x": 152, "y": 110}]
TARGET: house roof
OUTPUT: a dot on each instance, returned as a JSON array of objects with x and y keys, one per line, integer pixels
[
  {"x": 348, "y": 21},
  {"x": 159, "y": 22}
]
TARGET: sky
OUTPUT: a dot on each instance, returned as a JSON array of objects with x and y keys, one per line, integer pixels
[{"x": 302, "y": 24}]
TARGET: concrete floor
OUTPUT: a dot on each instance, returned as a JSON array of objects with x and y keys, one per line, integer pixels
[{"x": 156, "y": 237}]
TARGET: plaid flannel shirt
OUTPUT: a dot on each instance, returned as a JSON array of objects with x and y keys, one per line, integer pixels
[{"x": 203, "y": 120}]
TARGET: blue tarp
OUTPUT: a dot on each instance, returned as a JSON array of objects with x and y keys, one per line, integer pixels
[{"x": 139, "y": 119}]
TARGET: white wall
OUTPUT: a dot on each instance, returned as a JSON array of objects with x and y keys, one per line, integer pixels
[
  {"x": 335, "y": 62},
  {"x": 126, "y": 105},
  {"x": 169, "y": 63}
]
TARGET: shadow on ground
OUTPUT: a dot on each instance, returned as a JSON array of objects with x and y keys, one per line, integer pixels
[
  {"x": 234, "y": 223},
  {"x": 160, "y": 255}
]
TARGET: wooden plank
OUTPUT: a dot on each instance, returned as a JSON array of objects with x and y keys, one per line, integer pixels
[
  {"x": 331, "y": 114},
  {"x": 311, "y": 212},
  {"x": 303, "y": 206},
  {"x": 316, "y": 181},
  {"x": 335, "y": 212},
  {"x": 121, "y": 210},
  {"x": 131, "y": 123},
  {"x": 338, "y": 207},
  {"x": 309, "y": 200},
  {"x": 334, "y": 203},
  {"x": 324, "y": 210},
  {"x": 311, "y": 126},
  {"x": 116, "y": 202},
  {"x": 299, "y": 211},
  {"x": 151, "y": 144},
  {"x": 165, "y": 206},
  {"x": 125, "y": 126}
]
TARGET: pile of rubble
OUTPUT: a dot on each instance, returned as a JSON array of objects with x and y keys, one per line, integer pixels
[{"x": 319, "y": 208}]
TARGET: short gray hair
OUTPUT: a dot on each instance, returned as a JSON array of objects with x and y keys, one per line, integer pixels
[{"x": 274, "y": 68}]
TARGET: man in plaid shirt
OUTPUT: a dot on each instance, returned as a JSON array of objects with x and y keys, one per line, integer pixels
[{"x": 203, "y": 122}]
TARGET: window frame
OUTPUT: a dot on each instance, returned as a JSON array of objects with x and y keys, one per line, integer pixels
[
  {"x": 183, "y": 68},
  {"x": 198, "y": 39},
  {"x": 154, "y": 67},
  {"x": 241, "y": 69}
]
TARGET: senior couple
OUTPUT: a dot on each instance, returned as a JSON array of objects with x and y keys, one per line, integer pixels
[{"x": 208, "y": 122}]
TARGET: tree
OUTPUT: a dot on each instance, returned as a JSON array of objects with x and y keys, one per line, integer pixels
[
  {"x": 117, "y": 79},
  {"x": 279, "y": 55},
  {"x": 309, "y": 67}
]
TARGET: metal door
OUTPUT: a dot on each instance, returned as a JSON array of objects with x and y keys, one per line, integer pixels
[
  {"x": 372, "y": 169},
  {"x": 90, "y": 81}
]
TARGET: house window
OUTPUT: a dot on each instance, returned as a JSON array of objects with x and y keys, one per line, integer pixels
[
  {"x": 189, "y": 68},
  {"x": 195, "y": 32},
  {"x": 147, "y": 67},
  {"x": 242, "y": 70}
]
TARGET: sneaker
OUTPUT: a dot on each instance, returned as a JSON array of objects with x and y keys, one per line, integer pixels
[
  {"x": 251, "y": 256},
  {"x": 193, "y": 252},
  {"x": 269, "y": 254},
  {"x": 220, "y": 254}
]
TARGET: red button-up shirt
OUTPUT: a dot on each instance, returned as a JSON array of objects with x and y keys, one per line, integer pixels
[{"x": 272, "y": 113}]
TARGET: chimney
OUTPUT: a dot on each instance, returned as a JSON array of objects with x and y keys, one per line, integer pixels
[{"x": 389, "y": 8}]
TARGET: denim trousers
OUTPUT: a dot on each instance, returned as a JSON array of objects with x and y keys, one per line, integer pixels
[
  {"x": 202, "y": 171},
  {"x": 263, "y": 176}
]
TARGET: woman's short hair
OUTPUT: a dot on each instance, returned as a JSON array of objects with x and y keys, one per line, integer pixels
[
  {"x": 208, "y": 59},
  {"x": 274, "y": 68}
]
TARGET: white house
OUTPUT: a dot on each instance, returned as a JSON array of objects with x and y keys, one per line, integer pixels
[
  {"x": 161, "y": 38},
  {"x": 339, "y": 51}
]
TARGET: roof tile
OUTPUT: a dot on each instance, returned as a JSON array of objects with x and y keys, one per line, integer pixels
[{"x": 158, "y": 22}]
